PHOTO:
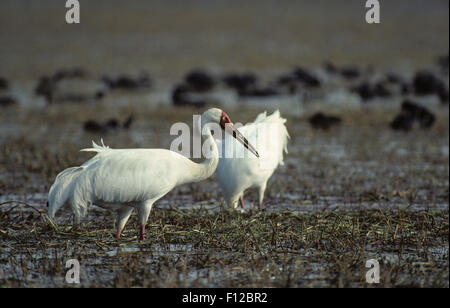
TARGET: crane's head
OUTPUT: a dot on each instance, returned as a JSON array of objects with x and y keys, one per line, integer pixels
[{"x": 217, "y": 116}]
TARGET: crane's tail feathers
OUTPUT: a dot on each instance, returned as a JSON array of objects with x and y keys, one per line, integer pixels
[
  {"x": 61, "y": 189},
  {"x": 261, "y": 117},
  {"x": 283, "y": 134},
  {"x": 96, "y": 148}
]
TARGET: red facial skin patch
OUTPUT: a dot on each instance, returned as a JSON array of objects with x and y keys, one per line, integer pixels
[{"x": 224, "y": 119}]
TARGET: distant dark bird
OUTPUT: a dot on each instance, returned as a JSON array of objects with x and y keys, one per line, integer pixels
[
  {"x": 68, "y": 73},
  {"x": 112, "y": 124},
  {"x": 381, "y": 90},
  {"x": 178, "y": 93},
  {"x": 288, "y": 82},
  {"x": 443, "y": 63},
  {"x": 306, "y": 77},
  {"x": 365, "y": 91},
  {"x": 127, "y": 123},
  {"x": 394, "y": 78},
  {"x": 4, "y": 83},
  {"x": 443, "y": 95},
  {"x": 322, "y": 121},
  {"x": 286, "y": 79},
  {"x": 350, "y": 72},
  {"x": 259, "y": 92},
  {"x": 99, "y": 94},
  {"x": 72, "y": 97},
  {"x": 181, "y": 96},
  {"x": 297, "y": 79},
  {"x": 200, "y": 81},
  {"x": 125, "y": 82},
  {"x": 410, "y": 113},
  {"x": 425, "y": 118},
  {"x": 330, "y": 68},
  {"x": 402, "y": 122},
  {"x": 94, "y": 126},
  {"x": 426, "y": 83},
  {"x": 406, "y": 88},
  {"x": 6, "y": 101},
  {"x": 240, "y": 82},
  {"x": 46, "y": 87},
  {"x": 368, "y": 91}
]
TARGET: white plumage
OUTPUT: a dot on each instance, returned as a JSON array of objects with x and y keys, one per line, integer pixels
[
  {"x": 124, "y": 179},
  {"x": 238, "y": 171}
]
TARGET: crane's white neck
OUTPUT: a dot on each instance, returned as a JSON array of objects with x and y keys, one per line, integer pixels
[{"x": 206, "y": 168}]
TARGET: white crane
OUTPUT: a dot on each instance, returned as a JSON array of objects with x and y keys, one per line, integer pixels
[
  {"x": 124, "y": 179},
  {"x": 238, "y": 171}
]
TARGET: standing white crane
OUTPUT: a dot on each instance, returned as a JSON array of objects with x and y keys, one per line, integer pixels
[
  {"x": 124, "y": 179},
  {"x": 238, "y": 171}
]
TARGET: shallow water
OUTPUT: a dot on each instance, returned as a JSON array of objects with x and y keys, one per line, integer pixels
[{"x": 333, "y": 182}]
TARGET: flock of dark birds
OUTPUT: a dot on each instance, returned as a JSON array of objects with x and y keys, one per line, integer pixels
[{"x": 190, "y": 91}]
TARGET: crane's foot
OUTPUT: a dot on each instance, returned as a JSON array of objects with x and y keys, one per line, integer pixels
[
  {"x": 118, "y": 233},
  {"x": 260, "y": 206},
  {"x": 239, "y": 210},
  {"x": 242, "y": 203}
]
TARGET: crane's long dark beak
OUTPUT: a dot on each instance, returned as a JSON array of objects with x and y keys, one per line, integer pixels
[{"x": 239, "y": 137}]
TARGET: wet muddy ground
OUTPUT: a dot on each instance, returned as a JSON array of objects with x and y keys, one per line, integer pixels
[
  {"x": 355, "y": 192},
  {"x": 359, "y": 191}
]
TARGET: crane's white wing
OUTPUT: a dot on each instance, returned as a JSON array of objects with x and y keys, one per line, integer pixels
[
  {"x": 130, "y": 175},
  {"x": 269, "y": 136},
  {"x": 238, "y": 169}
]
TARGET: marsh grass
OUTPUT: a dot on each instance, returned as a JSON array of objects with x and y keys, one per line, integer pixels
[
  {"x": 344, "y": 196},
  {"x": 201, "y": 248}
]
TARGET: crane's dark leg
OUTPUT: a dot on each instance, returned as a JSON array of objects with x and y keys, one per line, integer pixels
[
  {"x": 122, "y": 217},
  {"x": 144, "y": 212},
  {"x": 242, "y": 202},
  {"x": 262, "y": 189},
  {"x": 142, "y": 233}
]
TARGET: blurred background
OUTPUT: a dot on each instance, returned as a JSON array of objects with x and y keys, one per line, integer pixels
[
  {"x": 366, "y": 108},
  {"x": 170, "y": 37},
  {"x": 130, "y": 69},
  {"x": 127, "y": 58}
]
